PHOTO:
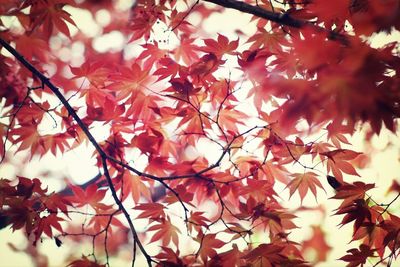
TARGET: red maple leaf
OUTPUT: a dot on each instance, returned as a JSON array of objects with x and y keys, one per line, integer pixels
[
  {"x": 186, "y": 50},
  {"x": 129, "y": 81},
  {"x": 50, "y": 14},
  {"x": 304, "y": 182},
  {"x": 166, "y": 232},
  {"x": 169, "y": 68},
  {"x": 135, "y": 187},
  {"x": 92, "y": 196},
  {"x": 338, "y": 162},
  {"x": 220, "y": 46},
  {"x": 85, "y": 262},
  {"x": 154, "y": 211},
  {"x": 317, "y": 243},
  {"x": 208, "y": 244},
  {"x": 229, "y": 118},
  {"x": 349, "y": 192},
  {"x": 94, "y": 71},
  {"x": 358, "y": 257},
  {"x": 47, "y": 224},
  {"x": 265, "y": 255}
]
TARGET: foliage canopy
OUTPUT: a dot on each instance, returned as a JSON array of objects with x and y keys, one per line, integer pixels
[{"x": 200, "y": 131}]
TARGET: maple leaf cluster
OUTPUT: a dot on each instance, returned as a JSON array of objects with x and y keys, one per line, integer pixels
[
  {"x": 27, "y": 205},
  {"x": 273, "y": 109}
]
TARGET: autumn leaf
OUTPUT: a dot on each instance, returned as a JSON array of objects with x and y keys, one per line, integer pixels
[
  {"x": 169, "y": 257},
  {"x": 94, "y": 71},
  {"x": 358, "y": 257},
  {"x": 274, "y": 41},
  {"x": 312, "y": 60},
  {"x": 129, "y": 81},
  {"x": 152, "y": 211},
  {"x": 338, "y": 162},
  {"x": 168, "y": 68},
  {"x": 252, "y": 63},
  {"x": 158, "y": 166},
  {"x": 105, "y": 111},
  {"x": 349, "y": 192},
  {"x": 47, "y": 224},
  {"x": 317, "y": 243},
  {"x": 265, "y": 255},
  {"x": 391, "y": 238},
  {"x": 197, "y": 219},
  {"x": 182, "y": 88},
  {"x": 332, "y": 13},
  {"x": 274, "y": 171},
  {"x": 208, "y": 244},
  {"x": 372, "y": 234},
  {"x": 191, "y": 121},
  {"x": 220, "y": 46},
  {"x": 85, "y": 262},
  {"x": 92, "y": 196},
  {"x": 32, "y": 47},
  {"x": 205, "y": 65},
  {"x": 194, "y": 126},
  {"x": 333, "y": 182},
  {"x": 227, "y": 259},
  {"x": 56, "y": 202},
  {"x": 358, "y": 211},
  {"x": 51, "y": 14},
  {"x": 261, "y": 190},
  {"x": 184, "y": 196},
  {"x": 230, "y": 118},
  {"x": 28, "y": 136},
  {"x": 144, "y": 16},
  {"x": 101, "y": 222},
  {"x": 186, "y": 50},
  {"x": 3, "y": 130},
  {"x": 304, "y": 182},
  {"x": 394, "y": 187},
  {"x": 178, "y": 22},
  {"x": 151, "y": 55},
  {"x": 134, "y": 186},
  {"x": 166, "y": 232},
  {"x": 20, "y": 216}
]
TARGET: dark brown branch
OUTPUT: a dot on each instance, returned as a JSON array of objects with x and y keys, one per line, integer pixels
[
  {"x": 104, "y": 156},
  {"x": 283, "y": 19},
  {"x": 56, "y": 91},
  {"x": 71, "y": 111},
  {"x": 136, "y": 239}
]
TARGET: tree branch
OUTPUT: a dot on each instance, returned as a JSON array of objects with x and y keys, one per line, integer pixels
[
  {"x": 103, "y": 155},
  {"x": 280, "y": 18}
]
